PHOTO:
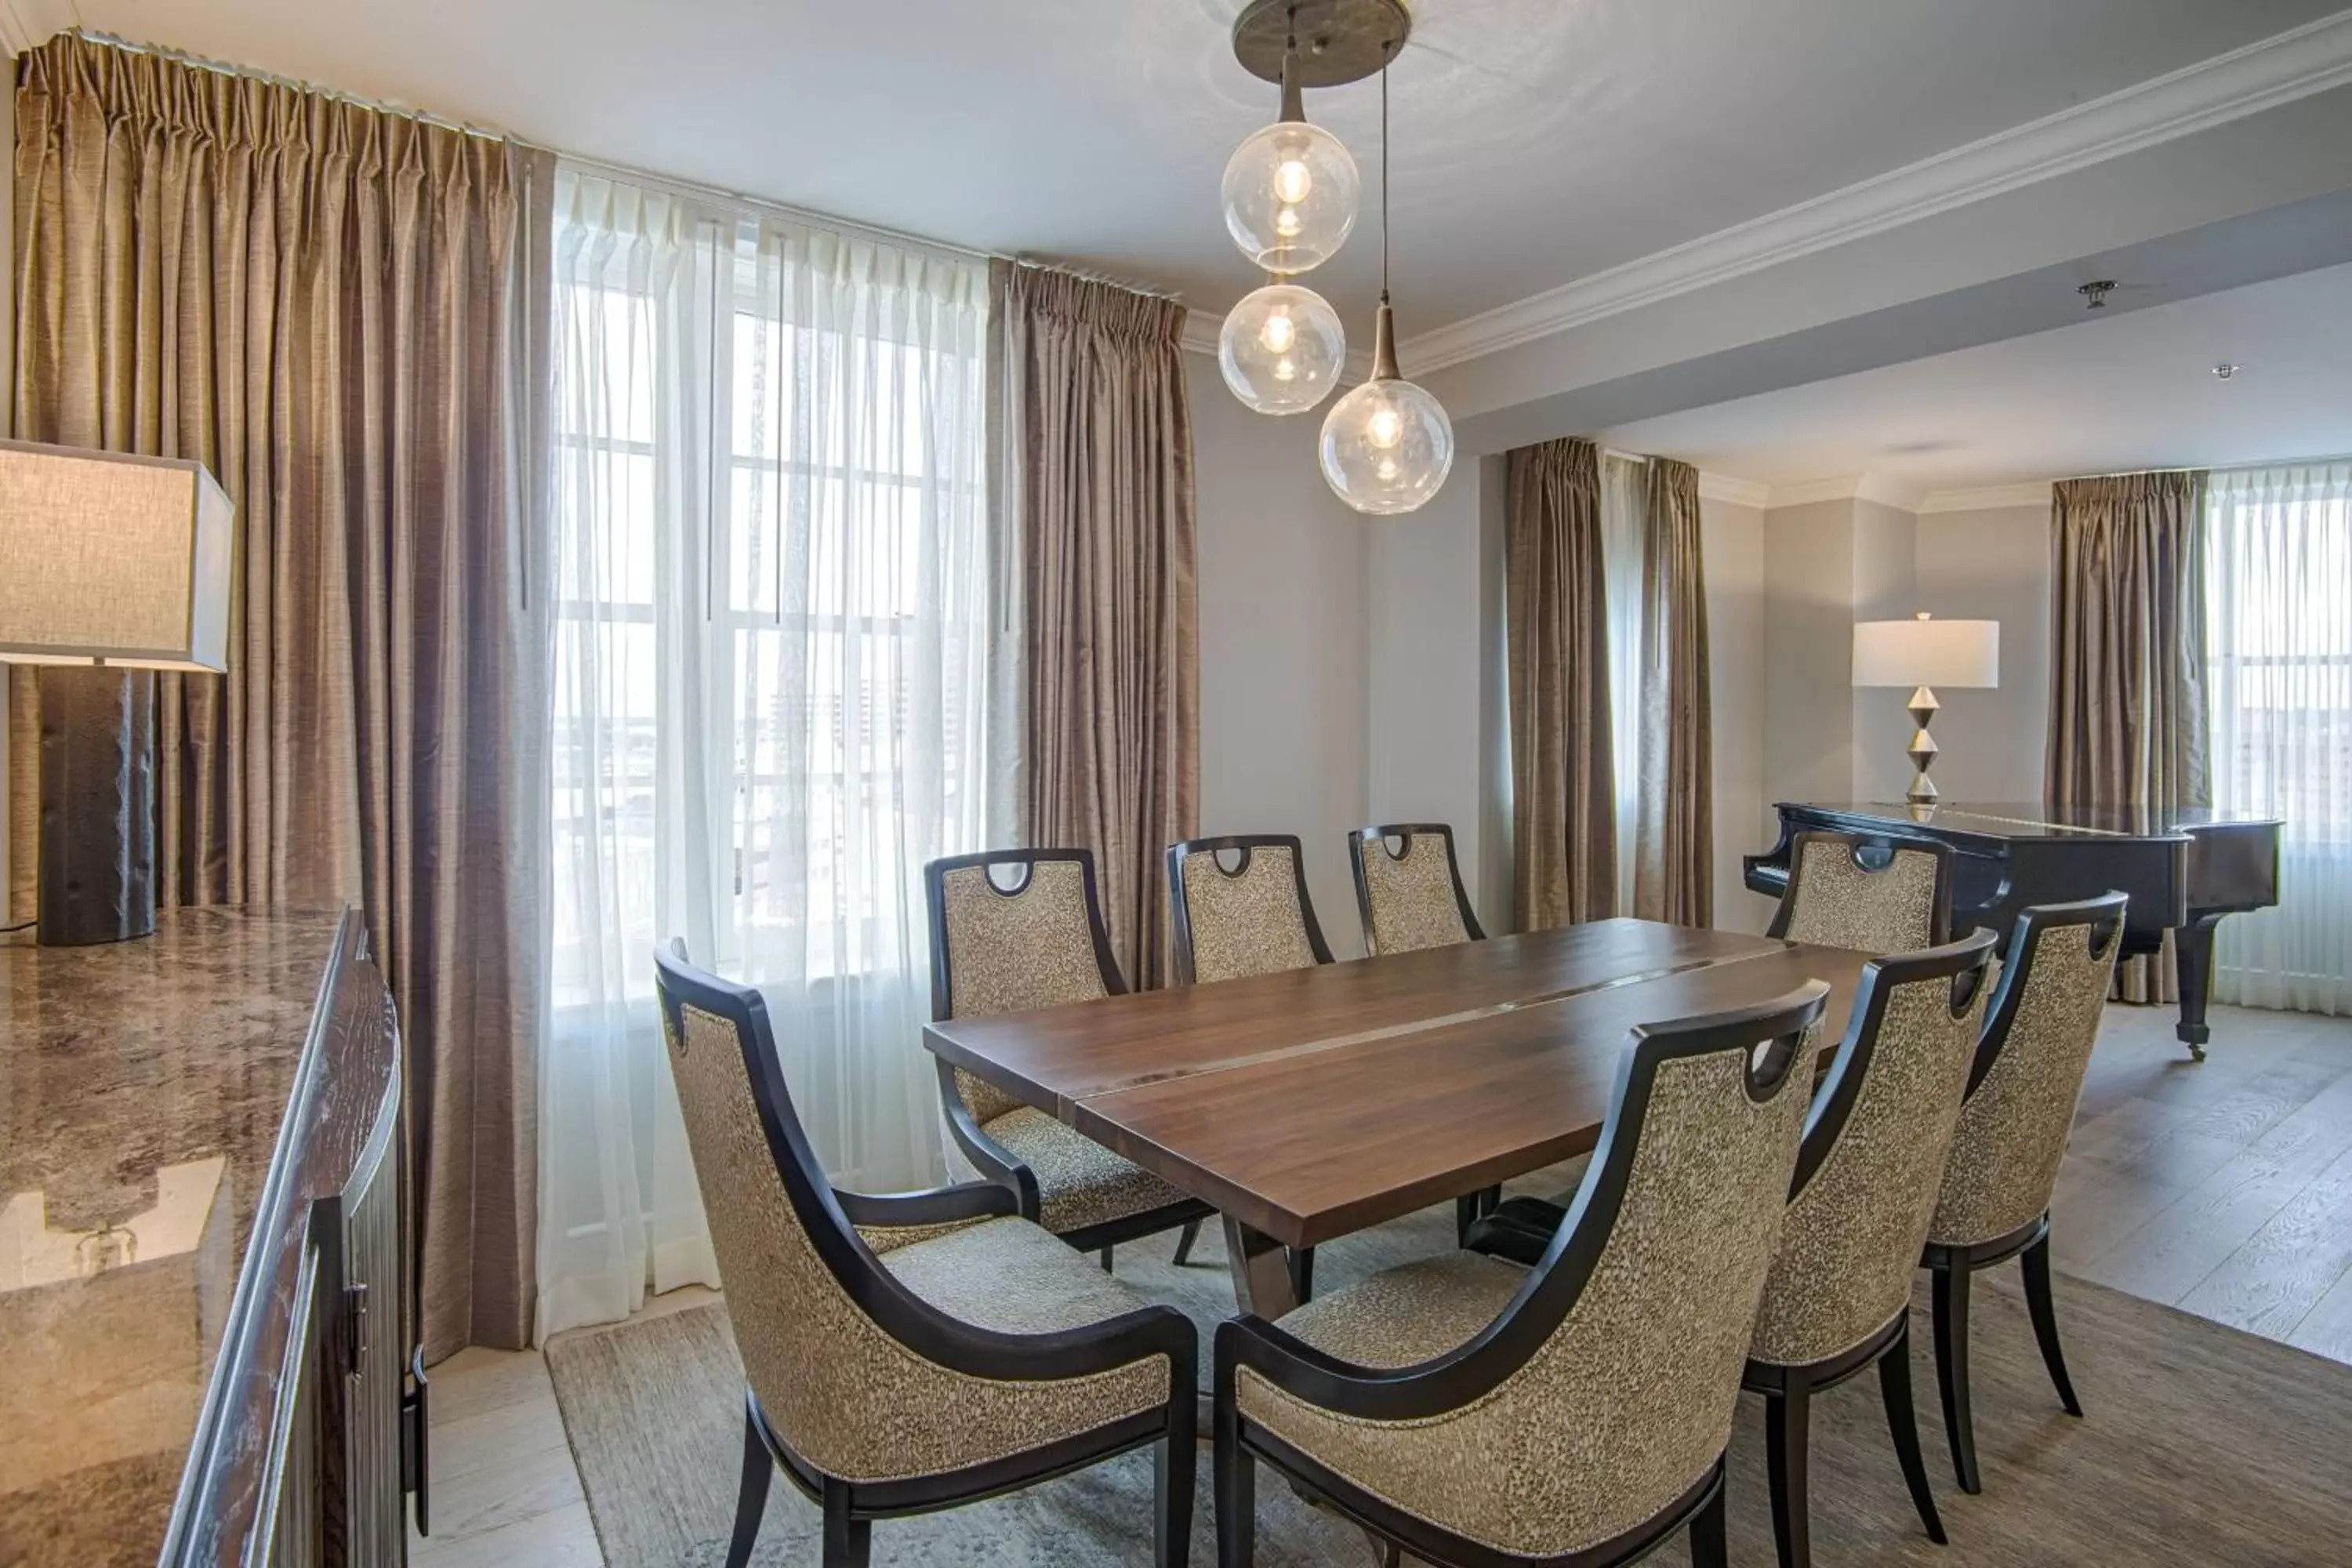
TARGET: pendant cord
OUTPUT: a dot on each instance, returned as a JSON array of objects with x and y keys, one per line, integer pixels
[{"x": 1384, "y": 172}]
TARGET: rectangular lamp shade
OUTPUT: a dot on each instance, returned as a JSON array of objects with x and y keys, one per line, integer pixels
[
  {"x": 1924, "y": 652},
  {"x": 107, "y": 558}
]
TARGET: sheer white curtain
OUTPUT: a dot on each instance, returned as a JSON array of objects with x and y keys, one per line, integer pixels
[
  {"x": 1624, "y": 530},
  {"x": 2279, "y": 638},
  {"x": 772, "y": 573}
]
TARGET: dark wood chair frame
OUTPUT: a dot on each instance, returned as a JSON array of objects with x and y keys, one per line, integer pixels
[
  {"x": 1864, "y": 848},
  {"x": 994, "y": 1162},
  {"x": 1475, "y": 1369},
  {"x": 1469, "y": 1207},
  {"x": 828, "y": 1216},
  {"x": 1789, "y": 1390},
  {"x": 1952, "y": 1267}
]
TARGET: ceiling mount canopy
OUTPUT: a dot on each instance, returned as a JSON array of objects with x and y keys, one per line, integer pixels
[{"x": 1339, "y": 41}]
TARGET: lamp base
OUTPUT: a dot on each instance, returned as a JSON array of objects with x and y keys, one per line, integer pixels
[
  {"x": 98, "y": 805},
  {"x": 1922, "y": 750}
]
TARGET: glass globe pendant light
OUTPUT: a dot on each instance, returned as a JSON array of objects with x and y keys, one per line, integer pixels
[
  {"x": 1281, "y": 348},
  {"x": 1290, "y": 191},
  {"x": 1387, "y": 445}
]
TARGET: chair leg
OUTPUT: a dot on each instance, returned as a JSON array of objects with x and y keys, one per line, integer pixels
[
  {"x": 1236, "y": 1488},
  {"x": 2044, "y": 1310},
  {"x": 1103, "y": 1256},
  {"x": 1184, "y": 1240},
  {"x": 1951, "y": 1311},
  {"x": 846, "y": 1540},
  {"x": 1172, "y": 1480},
  {"x": 752, "y": 1495},
  {"x": 1709, "y": 1543},
  {"x": 1903, "y": 1425},
  {"x": 1788, "y": 1415}
]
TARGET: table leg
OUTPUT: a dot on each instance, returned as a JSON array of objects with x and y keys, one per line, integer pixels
[
  {"x": 2192, "y": 951},
  {"x": 1265, "y": 1283}
]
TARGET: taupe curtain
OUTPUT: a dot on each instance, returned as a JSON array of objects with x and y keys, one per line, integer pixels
[
  {"x": 1563, "y": 802},
  {"x": 1673, "y": 865},
  {"x": 1096, "y": 478},
  {"x": 321, "y": 302},
  {"x": 2127, "y": 660}
]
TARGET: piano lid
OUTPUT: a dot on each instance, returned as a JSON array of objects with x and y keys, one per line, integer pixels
[{"x": 2032, "y": 820}]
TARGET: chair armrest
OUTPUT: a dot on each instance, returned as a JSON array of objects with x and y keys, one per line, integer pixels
[
  {"x": 941, "y": 1206},
  {"x": 994, "y": 1162},
  {"x": 1429, "y": 1389}
]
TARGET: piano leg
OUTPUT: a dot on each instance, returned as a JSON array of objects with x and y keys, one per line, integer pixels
[{"x": 2192, "y": 947}]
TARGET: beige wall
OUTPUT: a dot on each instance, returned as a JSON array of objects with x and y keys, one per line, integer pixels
[
  {"x": 1733, "y": 539},
  {"x": 1283, "y": 606},
  {"x": 1992, "y": 565},
  {"x": 1808, "y": 646}
]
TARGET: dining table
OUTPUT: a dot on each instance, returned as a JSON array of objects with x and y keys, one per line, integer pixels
[{"x": 1309, "y": 1103}]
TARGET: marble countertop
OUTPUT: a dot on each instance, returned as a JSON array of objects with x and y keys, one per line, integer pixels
[{"x": 141, "y": 1087}]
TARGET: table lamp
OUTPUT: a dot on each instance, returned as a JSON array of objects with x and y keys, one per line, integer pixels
[
  {"x": 112, "y": 567},
  {"x": 1921, "y": 654}
]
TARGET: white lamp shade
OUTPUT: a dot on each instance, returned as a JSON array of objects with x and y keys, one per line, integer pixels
[
  {"x": 1924, "y": 652},
  {"x": 110, "y": 558}
]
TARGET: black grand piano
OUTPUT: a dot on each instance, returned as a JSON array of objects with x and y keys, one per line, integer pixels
[{"x": 2184, "y": 870}]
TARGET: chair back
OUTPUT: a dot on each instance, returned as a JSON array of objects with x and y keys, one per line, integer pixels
[
  {"x": 819, "y": 1362},
  {"x": 1870, "y": 894},
  {"x": 1605, "y": 1389},
  {"x": 1874, "y": 1154},
  {"x": 1035, "y": 938},
  {"x": 1253, "y": 918},
  {"x": 2027, "y": 1076},
  {"x": 1409, "y": 888}
]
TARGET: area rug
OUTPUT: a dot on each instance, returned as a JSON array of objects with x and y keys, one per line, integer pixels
[{"x": 2202, "y": 1444}]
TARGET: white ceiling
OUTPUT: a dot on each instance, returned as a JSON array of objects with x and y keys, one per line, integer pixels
[
  {"x": 1538, "y": 140},
  {"x": 2130, "y": 391}
]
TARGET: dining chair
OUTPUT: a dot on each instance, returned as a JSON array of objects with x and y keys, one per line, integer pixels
[
  {"x": 1838, "y": 1299},
  {"x": 1251, "y": 917},
  {"x": 1870, "y": 894},
  {"x": 1409, "y": 888},
  {"x": 1472, "y": 1412},
  {"x": 2023, "y": 1085},
  {"x": 1410, "y": 896},
  {"x": 1035, "y": 940},
  {"x": 910, "y": 1352},
  {"x": 1232, "y": 920}
]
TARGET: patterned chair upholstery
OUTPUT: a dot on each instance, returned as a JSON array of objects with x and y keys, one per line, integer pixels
[
  {"x": 940, "y": 1352},
  {"x": 1840, "y": 896},
  {"x": 1410, "y": 896},
  {"x": 2011, "y": 1138},
  {"x": 1255, "y": 919},
  {"x": 1838, "y": 1299},
  {"x": 1463, "y": 1407},
  {"x": 1038, "y": 942}
]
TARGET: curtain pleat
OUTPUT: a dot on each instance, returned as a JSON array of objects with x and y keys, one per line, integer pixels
[
  {"x": 1563, "y": 763},
  {"x": 2128, "y": 660},
  {"x": 1098, "y": 449},
  {"x": 1674, "y": 863},
  {"x": 317, "y": 299}
]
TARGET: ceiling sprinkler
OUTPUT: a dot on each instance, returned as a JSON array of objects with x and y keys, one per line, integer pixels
[{"x": 2095, "y": 294}]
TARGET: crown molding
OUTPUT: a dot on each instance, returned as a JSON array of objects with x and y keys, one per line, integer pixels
[
  {"x": 2309, "y": 59},
  {"x": 1201, "y": 327},
  {"x": 1876, "y": 488},
  {"x": 1733, "y": 490},
  {"x": 1987, "y": 498}
]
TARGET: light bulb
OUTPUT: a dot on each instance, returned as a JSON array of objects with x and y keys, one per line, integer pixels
[
  {"x": 1290, "y": 195},
  {"x": 1397, "y": 474},
  {"x": 1281, "y": 349}
]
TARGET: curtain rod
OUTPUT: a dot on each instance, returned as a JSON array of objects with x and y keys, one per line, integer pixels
[{"x": 270, "y": 79}]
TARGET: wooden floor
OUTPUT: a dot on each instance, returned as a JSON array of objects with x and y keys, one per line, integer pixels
[{"x": 2222, "y": 1187}]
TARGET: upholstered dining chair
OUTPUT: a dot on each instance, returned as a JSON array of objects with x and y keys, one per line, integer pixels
[
  {"x": 1472, "y": 1412},
  {"x": 1409, "y": 888},
  {"x": 1873, "y": 895},
  {"x": 1253, "y": 917},
  {"x": 1036, "y": 940},
  {"x": 910, "y": 1352},
  {"x": 2023, "y": 1085},
  {"x": 1410, "y": 896},
  {"x": 1838, "y": 1299}
]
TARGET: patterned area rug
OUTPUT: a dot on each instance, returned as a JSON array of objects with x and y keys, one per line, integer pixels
[{"x": 2202, "y": 1444}]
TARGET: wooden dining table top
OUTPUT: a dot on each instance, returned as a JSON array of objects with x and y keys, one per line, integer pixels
[{"x": 1312, "y": 1102}]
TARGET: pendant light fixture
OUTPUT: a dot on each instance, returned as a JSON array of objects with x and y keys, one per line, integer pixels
[
  {"x": 1387, "y": 445},
  {"x": 1291, "y": 190},
  {"x": 1281, "y": 348}
]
